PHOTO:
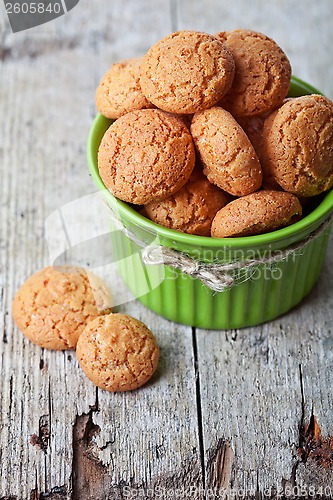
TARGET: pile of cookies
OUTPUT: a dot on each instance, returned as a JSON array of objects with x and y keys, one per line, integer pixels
[
  {"x": 205, "y": 140},
  {"x": 68, "y": 308}
]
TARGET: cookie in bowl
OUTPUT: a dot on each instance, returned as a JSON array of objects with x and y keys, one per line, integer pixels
[
  {"x": 257, "y": 213},
  {"x": 145, "y": 156}
]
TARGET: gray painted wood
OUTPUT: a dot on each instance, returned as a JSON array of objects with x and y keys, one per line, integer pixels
[{"x": 224, "y": 408}]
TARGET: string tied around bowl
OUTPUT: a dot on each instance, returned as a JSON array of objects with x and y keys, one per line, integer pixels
[{"x": 215, "y": 275}]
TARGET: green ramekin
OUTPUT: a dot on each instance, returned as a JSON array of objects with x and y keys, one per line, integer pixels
[{"x": 271, "y": 290}]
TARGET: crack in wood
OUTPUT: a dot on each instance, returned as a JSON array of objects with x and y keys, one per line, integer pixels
[
  {"x": 41, "y": 440},
  {"x": 311, "y": 445},
  {"x": 301, "y": 424},
  {"x": 10, "y": 394},
  {"x": 314, "y": 446},
  {"x": 88, "y": 473},
  {"x": 198, "y": 401},
  {"x": 219, "y": 465},
  {"x": 292, "y": 481},
  {"x": 293, "y": 476},
  {"x": 231, "y": 336},
  {"x": 56, "y": 493},
  {"x": 92, "y": 479},
  {"x": 311, "y": 442},
  {"x": 5, "y": 317}
]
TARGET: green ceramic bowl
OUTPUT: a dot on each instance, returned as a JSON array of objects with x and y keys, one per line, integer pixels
[{"x": 269, "y": 290}]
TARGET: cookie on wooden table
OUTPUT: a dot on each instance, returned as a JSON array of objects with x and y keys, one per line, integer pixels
[
  {"x": 256, "y": 213},
  {"x": 187, "y": 71},
  {"x": 119, "y": 91},
  {"x": 226, "y": 152},
  {"x": 262, "y": 73},
  {"x": 117, "y": 352},
  {"x": 145, "y": 156},
  {"x": 54, "y": 305}
]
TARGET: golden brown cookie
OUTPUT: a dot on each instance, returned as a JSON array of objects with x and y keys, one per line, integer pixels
[
  {"x": 256, "y": 213},
  {"x": 186, "y": 71},
  {"x": 253, "y": 126},
  {"x": 262, "y": 73},
  {"x": 186, "y": 119},
  {"x": 297, "y": 146},
  {"x": 119, "y": 91},
  {"x": 192, "y": 209},
  {"x": 145, "y": 156},
  {"x": 227, "y": 154},
  {"x": 54, "y": 305},
  {"x": 117, "y": 352}
]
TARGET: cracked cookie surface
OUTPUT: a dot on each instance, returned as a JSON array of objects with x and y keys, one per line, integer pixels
[
  {"x": 117, "y": 352},
  {"x": 226, "y": 152},
  {"x": 119, "y": 90},
  {"x": 297, "y": 145},
  {"x": 54, "y": 305},
  {"x": 192, "y": 209},
  {"x": 187, "y": 71},
  {"x": 145, "y": 156},
  {"x": 262, "y": 73},
  {"x": 256, "y": 213}
]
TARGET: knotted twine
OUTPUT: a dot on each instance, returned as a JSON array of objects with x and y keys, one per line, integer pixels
[{"x": 217, "y": 276}]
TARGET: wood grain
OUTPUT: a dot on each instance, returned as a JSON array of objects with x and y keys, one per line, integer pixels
[{"x": 225, "y": 409}]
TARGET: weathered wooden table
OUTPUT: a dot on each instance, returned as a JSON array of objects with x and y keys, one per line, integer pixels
[{"x": 227, "y": 409}]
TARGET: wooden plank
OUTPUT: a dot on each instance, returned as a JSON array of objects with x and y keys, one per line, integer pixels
[
  {"x": 59, "y": 436},
  {"x": 267, "y": 381}
]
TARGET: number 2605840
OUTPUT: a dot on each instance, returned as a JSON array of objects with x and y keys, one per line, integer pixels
[{"x": 33, "y": 8}]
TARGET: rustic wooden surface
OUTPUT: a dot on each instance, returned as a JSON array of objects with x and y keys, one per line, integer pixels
[{"x": 227, "y": 409}]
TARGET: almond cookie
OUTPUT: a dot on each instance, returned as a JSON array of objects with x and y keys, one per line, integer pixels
[
  {"x": 145, "y": 156},
  {"x": 298, "y": 145},
  {"x": 256, "y": 213},
  {"x": 119, "y": 91},
  {"x": 54, "y": 305},
  {"x": 262, "y": 73},
  {"x": 187, "y": 71},
  {"x": 227, "y": 154},
  {"x": 192, "y": 209},
  {"x": 117, "y": 352},
  {"x": 253, "y": 126}
]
